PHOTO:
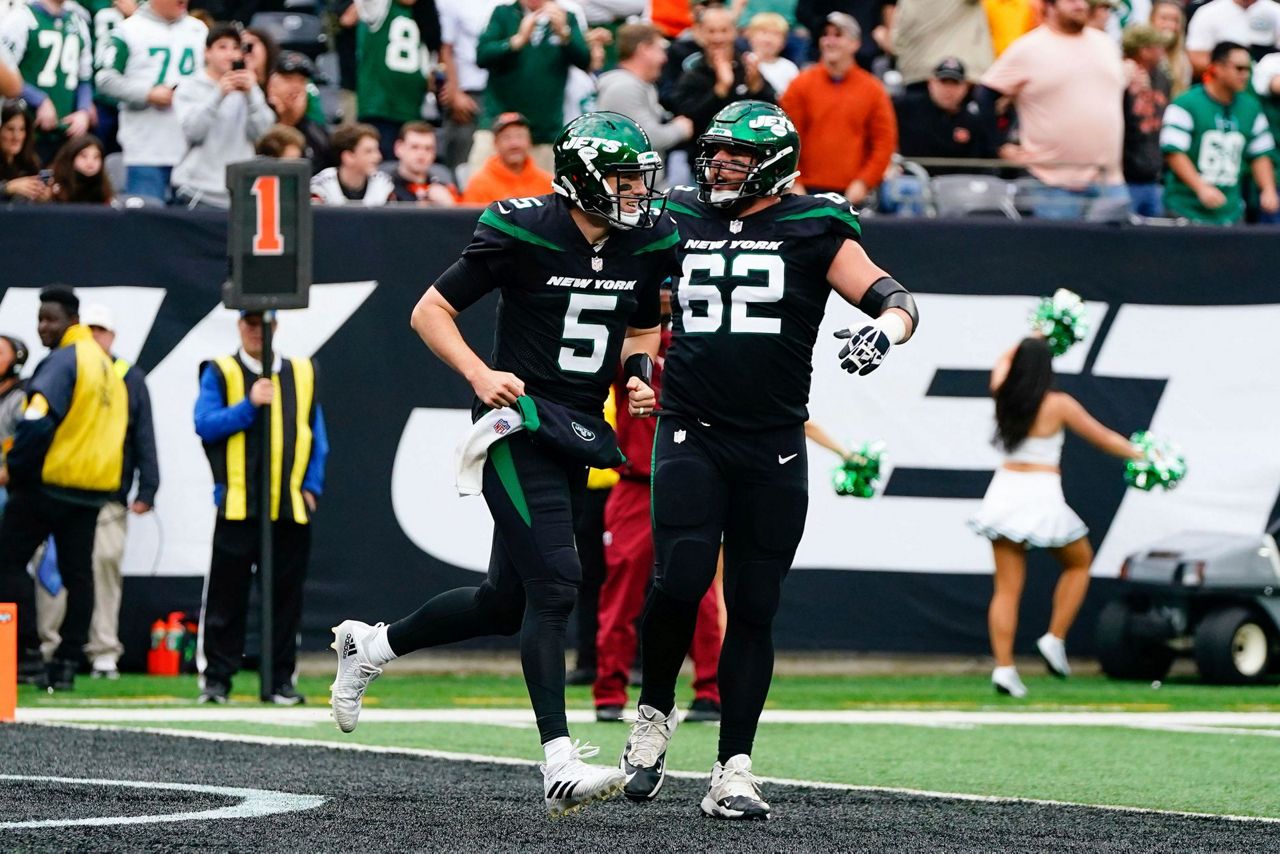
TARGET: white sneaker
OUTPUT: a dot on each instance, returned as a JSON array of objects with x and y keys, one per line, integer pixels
[
  {"x": 355, "y": 671},
  {"x": 572, "y": 784},
  {"x": 104, "y": 667},
  {"x": 1054, "y": 652},
  {"x": 1007, "y": 681},
  {"x": 735, "y": 792},
  {"x": 644, "y": 759}
]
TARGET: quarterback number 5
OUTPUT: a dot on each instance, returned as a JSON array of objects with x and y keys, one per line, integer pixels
[
  {"x": 694, "y": 288},
  {"x": 597, "y": 334},
  {"x": 267, "y": 238}
]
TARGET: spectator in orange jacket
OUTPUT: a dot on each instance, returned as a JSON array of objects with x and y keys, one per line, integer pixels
[
  {"x": 847, "y": 128},
  {"x": 511, "y": 172}
]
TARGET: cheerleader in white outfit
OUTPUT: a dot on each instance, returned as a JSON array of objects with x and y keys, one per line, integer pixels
[{"x": 1024, "y": 507}]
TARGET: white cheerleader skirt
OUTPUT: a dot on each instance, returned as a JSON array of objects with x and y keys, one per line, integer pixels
[{"x": 1027, "y": 507}]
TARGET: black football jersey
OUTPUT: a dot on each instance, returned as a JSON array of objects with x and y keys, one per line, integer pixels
[
  {"x": 564, "y": 305},
  {"x": 747, "y": 305}
]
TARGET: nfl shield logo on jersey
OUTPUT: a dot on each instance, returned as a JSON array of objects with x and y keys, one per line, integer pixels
[
  {"x": 597, "y": 264},
  {"x": 735, "y": 226},
  {"x": 678, "y": 438},
  {"x": 501, "y": 427}
]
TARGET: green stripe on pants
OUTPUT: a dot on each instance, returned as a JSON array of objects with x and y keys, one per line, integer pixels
[{"x": 505, "y": 466}]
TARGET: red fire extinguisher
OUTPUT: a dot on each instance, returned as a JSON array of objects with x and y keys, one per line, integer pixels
[{"x": 158, "y": 634}]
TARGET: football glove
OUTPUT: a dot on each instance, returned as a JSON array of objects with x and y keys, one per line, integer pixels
[{"x": 865, "y": 350}]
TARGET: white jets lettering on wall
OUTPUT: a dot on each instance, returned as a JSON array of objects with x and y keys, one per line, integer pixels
[
  {"x": 1213, "y": 413},
  {"x": 175, "y": 538}
]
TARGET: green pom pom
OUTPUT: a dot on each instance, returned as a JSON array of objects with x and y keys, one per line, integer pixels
[
  {"x": 1061, "y": 319},
  {"x": 860, "y": 472},
  {"x": 1162, "y": 465}
]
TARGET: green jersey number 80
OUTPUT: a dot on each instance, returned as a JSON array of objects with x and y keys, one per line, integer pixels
[{"x": 404, "y": 46}]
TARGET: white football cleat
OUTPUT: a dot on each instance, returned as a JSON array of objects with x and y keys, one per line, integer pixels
[
  {"x": 1007, "y": 681},
  {"x": 355, "y": 671},
  {"x": 1054, "y": 652},
  {"x": 644, "y": 759},
  {"x": 735, "y": 792},
  {"x": 571, "y": 785}
]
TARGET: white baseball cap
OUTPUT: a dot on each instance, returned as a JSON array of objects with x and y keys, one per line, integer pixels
[{"x": 97, "y": 314}]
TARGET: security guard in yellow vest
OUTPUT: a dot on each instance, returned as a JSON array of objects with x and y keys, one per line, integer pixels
[
  {"x": 65, "y": 463},
  {"x": 234, "y": 395}
]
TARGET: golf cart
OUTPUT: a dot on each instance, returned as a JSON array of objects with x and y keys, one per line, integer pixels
[{"x": 1214, "y": 596}]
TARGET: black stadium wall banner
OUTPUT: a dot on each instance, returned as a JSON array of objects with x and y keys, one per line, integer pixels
[{"x": 1183, "y": 342}]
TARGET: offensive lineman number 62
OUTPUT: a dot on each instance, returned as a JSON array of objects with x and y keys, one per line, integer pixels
[{"x": 267, "y": 237}]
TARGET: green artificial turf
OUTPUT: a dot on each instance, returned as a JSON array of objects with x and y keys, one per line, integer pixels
[
  {"x": 1210, "y": 773},
  {"x": 408, "y": 691}
]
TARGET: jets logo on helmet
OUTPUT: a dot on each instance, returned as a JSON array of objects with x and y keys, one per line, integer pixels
[
  {"x": 606, "y": 167},
  {"x": 747, "y": 130},
  {"x": 611, "y": 146},
  {"x": 777, "y": 125}
]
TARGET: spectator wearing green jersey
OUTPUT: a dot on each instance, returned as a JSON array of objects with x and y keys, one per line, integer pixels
[
  {"x": 51, "y": 42},
  {"x": 528, "y": 48},
  {"x": 149, "y": 54},
  {"x": 1266, "y": 85},
  {"x": 1210, "y": 132},
  {"x": 391, "y": 75},
  {"x": 104, "y": 15}
]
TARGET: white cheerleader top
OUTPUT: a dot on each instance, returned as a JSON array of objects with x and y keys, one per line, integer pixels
[{"x": 1038, "y": 450}]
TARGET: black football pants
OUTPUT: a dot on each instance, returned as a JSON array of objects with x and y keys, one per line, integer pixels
[
  {"x": 533, "y": 577},
  {"x": 589, "y": 535},
  {"x": 29, "y": 518},
  {"x": 751, "y": 492}
]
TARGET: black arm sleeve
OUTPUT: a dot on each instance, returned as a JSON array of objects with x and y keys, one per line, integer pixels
[
  {"x": 466, "y": 282},
  {"x": 482, "y": 268},
  {"x": 648, "y": 312}
]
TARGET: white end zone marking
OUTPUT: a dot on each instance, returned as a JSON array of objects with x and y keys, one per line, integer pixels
[
  {"x": 256, "y": 803},
  {"x": 279, "y": 741}
]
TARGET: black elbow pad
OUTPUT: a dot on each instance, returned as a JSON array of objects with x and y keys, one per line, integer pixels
[{"x": 885, "y": 294}]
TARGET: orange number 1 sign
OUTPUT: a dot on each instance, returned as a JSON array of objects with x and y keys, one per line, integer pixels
[{"x": 267, "y": 239}]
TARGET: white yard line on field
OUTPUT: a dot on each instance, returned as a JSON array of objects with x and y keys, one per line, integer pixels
[
  {"x": 522, "y": 717},
  {"x": 278, "y": 741},
  {"x": 254, "y": 803}
]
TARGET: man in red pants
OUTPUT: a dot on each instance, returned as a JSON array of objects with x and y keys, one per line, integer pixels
[{"x": 628, "y": 554}]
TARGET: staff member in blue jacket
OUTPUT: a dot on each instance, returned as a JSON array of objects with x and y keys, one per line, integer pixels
[
  {"x": 141, "y": 466},
  {"x": 65, "y": 463},
  {"x": 234, "y": 394}
]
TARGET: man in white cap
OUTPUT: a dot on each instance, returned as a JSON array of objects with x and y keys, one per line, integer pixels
[{"x": 104, "y": 648}]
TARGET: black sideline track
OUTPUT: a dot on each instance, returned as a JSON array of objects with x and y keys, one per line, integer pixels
[{"x": 387, "y": 802}]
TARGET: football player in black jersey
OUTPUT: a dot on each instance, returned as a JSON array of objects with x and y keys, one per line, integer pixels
[
  {"x": 758, "y": 267},
  {"x": 578, "y": 272}
]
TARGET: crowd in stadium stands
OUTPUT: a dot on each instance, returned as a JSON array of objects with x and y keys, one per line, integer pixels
[{"x": 1094, "y": 109}]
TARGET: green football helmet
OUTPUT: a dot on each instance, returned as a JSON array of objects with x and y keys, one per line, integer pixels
[
  {"x": 755, "y": 128},
  {"x": 596, "y": 146}
]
